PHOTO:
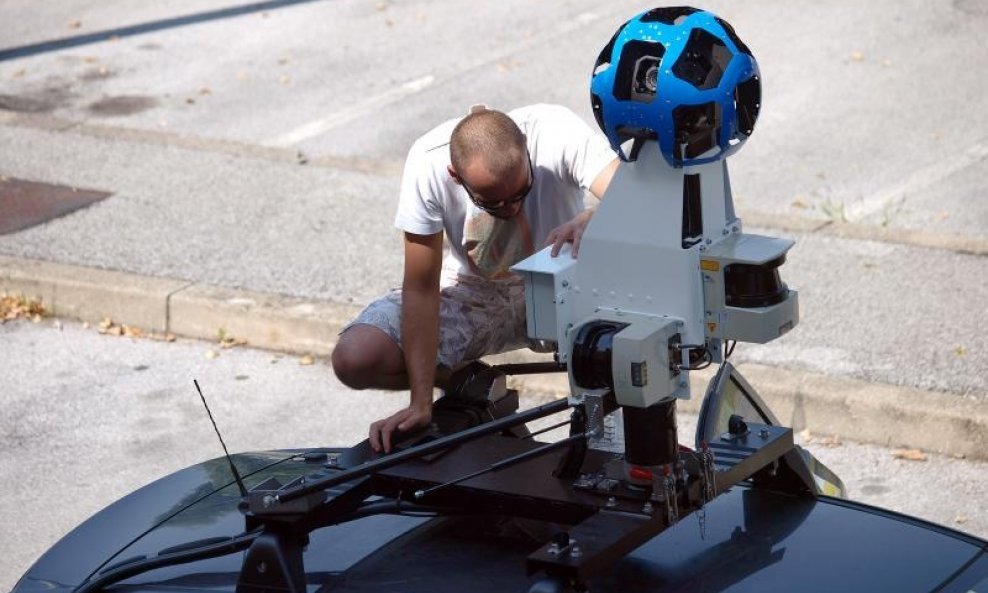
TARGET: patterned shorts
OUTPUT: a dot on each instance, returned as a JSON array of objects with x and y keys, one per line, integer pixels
[{"x": 477, "y": 317}]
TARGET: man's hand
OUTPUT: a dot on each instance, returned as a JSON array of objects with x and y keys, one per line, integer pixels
[
  {"x": 571, "y": 232},
  {"x": 405, "y": 420}
]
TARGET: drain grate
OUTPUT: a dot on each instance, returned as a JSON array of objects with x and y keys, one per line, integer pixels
[{"x": 24, "y": 204}]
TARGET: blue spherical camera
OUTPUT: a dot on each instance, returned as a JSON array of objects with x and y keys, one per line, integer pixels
[{"x": 679, "y": 76}]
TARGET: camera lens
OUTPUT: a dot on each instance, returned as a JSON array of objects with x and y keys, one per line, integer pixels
[{"x": 592, "y": 354}]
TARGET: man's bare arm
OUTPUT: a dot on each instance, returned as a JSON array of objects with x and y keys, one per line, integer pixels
[
  {"x": 420, "y": 313},
  {"x": 603, "y": 180},
  {"x": 572, "y": 231},
  {"x": 420, "y": 336}
]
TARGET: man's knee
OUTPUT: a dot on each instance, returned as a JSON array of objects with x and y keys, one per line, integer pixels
[
  {"x": 363, "y": 356},
  {"x": 351, "y": 368}
]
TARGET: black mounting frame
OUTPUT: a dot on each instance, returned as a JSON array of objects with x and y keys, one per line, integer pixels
[{"x": 571, "y": 485}]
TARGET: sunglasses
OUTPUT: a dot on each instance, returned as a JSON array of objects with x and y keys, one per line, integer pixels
[{"x": 495, "y": 208}]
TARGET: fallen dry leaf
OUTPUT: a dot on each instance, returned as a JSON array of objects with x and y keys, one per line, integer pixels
[
  {"x": 909, "y": 454},
  {"x": 231, "y": 342},
  {"x": 306, "y": 360},
  {"x": 116, "y": 330},
  {"x": 75, "y": 24},
  {"x": 211, "y": 354},
  {"x": 165, "y": 337},
  {"x": 857, "y": 56},
  {"x": 19, "y": 307},
  {"x": 133, "y": 332},
  {"x": 19, "y": 73},
  {"x": 831, "y": 441},
  {"x": 960, "y": 519},
  {"x": 227, "y": 341},
  {"x": 960, "y": 351}
]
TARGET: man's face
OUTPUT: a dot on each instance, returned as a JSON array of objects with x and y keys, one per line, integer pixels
[{"x": 500, "y": 197}]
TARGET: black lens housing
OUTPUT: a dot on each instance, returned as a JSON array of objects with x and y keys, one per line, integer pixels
[
  {"x": 749, "y": 286},
  {"x": 593, "y": 350}
]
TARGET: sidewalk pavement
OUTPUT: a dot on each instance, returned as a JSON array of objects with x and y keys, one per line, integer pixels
[{"x": 252, "y": 185}]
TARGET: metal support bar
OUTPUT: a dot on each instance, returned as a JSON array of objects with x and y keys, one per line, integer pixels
[
  {"x": 439, "y": 444},
  {"x": 531, "y": 368}
]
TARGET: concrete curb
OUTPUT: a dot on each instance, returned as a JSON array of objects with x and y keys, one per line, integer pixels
[
  {"x": 270, "y": 321},
  {"x": 848, "y": 408}
]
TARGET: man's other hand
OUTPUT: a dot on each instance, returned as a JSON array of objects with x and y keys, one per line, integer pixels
[
  {"x": 571, "y": 232},
  {"x": 406, "y": 420}
]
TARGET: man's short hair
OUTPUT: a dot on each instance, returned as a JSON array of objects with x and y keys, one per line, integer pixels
[{"x": 490, "y": 135}]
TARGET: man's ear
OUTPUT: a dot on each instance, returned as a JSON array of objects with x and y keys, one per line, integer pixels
[{"x": 453, "y": 174}]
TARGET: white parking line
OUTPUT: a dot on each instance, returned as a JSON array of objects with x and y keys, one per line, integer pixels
[
  {"x": 374, "y": 104},
  {"x": 367, "y": 107},
  {"x": 920, "y": 179}
]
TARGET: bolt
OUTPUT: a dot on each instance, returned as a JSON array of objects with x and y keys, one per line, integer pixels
[
  {"x": 575, "y": 552},
  {"x": 725, "y": 231},
  {"x": 734, "y": 228},
  {"x": 647, "y": 508},
  {"x": 611, "y": 501},
  {"x": 262, "y": 567},
  {"x": 268, "y": 501},
  {"x": 553, "y": 549},
  {"x": 565, "y": 283},
  {"x": 763, "y": 433}
]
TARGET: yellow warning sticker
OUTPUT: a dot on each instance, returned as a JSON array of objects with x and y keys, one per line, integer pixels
[
  {"x": 712, "y": 327},
  {"x": 709, "y": 265}
]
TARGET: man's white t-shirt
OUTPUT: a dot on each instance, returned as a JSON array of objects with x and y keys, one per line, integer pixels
[{"x": 566, "y": 158}]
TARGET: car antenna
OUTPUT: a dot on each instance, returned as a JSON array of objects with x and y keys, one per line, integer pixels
[{"x": 233, "y": 468}]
